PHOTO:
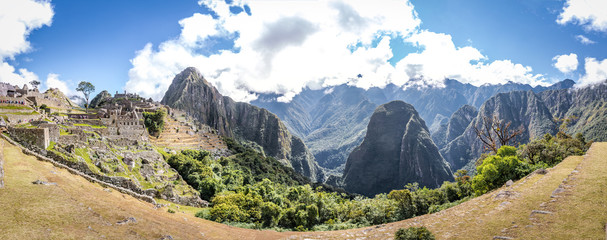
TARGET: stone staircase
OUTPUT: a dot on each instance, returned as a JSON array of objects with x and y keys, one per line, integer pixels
[{"x": 180, "y": 135}]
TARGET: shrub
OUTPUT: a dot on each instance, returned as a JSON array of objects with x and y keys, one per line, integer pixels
[
  {"x": 497, "y": 170},
  {"x": 552, "y": 150},
  {"x": 171, "y": 211},
  {"x": 413, "y": 233}
]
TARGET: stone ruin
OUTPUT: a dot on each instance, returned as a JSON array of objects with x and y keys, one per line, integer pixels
[{"x": 115, "y": 142}]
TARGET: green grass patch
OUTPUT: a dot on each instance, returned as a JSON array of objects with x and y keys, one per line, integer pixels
[
  {"x": 23, "y": 113},
  {"x": 88, "y": 125},
  {"x": 51, "y": 146},
  {"x": 16, "y": 107}
]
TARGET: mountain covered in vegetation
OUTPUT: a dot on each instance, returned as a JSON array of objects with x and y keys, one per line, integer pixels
[
  {"x": 586, "y": 108},
  {"x": 191, "y": 93},
  {"x": 396, "y": 150}
]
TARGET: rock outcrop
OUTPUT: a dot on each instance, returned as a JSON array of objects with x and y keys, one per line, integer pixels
[
  {"x": 396, "y": 150},
  {"x": 101, "y": 98},
  {"x": 191, "y": 93},
  {"x": 456, "y": 125}
]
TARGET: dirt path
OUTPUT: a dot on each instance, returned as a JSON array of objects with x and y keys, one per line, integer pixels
[{"x": 578, "y": 206}]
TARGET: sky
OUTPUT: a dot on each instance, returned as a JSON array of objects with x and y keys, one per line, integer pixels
[{"x": 274, "y": 46}]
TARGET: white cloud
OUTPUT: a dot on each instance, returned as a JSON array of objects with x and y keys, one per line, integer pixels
[
  {"x": 197, "y": 28},
  {"x": 588, "y": 13},
  {"x": 441, "y": 59},
  {"x": 596, "y": 72},
  {"x": 565, "y": 63},
  {"x": 17, "y": 19},
  {"x": 584, "y": 40},
  {"x": 52, "y": 81},
  {"x": 285, "y": 46},
  {"x": 19, "y": 77}
]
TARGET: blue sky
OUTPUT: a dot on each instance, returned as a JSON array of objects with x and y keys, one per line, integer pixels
[{"x": 284, "y": 46}]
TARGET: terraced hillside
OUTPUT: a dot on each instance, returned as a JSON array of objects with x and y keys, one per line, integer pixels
[
  {"x": 70, "y": 207},
  {"x": 179, "y": 134},
  {"x": 569, "y": 201}
]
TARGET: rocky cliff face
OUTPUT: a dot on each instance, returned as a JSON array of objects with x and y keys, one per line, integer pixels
[
  {"x": 191, "y": 93},
  {"x": 102, "y": 97},
  {"x": 456, "y": 125},
  {"x": 588, "y": 105},
  {"x": 523, "y": 109},
  {"x": 396, "y": 150}
]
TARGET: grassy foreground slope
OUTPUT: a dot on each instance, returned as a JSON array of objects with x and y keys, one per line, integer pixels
[
  {"x": 77, "y": 209},
  {"x": 529, "y": 209}
]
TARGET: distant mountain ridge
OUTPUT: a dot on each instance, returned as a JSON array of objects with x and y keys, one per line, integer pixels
[
  {"x": 396, "y": 150},
  {"x": 522, "y": 109},
  {"x": 537, "y": 114},
  {"x": 332, "y": 121},
  {"x": 191, "y": 93}
]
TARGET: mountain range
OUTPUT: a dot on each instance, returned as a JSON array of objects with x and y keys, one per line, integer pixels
[
  {"x": 332, "y": 121},
  {"x": 330, "y": 133}
]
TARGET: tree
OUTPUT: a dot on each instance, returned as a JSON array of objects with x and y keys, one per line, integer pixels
[
  {"x": 495, "y": 133},
  {"x": 86, "y": 88},
  {"x": 154, "y": 121},
  {"x": 35, "y": 83},
  {"x": 565, "y": 122},
  {"x": 404, "y": 200}
]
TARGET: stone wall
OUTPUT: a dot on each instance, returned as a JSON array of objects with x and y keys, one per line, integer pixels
[
  {"x": 1, "y": 164},
  {"x": 38, "y": 137},
  {"x": 98, "y": 122},
  {"x": 53, "y": 131},
  {"x": 130, "y": 132},
  {"x": 73, "y": 170},
  {"x": 17, "y": 118}
]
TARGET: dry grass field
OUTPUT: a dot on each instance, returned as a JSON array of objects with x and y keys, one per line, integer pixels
[{"x": 77, "y": 209}]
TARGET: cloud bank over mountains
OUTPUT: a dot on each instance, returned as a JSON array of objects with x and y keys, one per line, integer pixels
[{"x": 285, "y": 46}]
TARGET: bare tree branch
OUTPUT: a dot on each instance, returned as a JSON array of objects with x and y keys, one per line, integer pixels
[{"x": 496, "y": 133}]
